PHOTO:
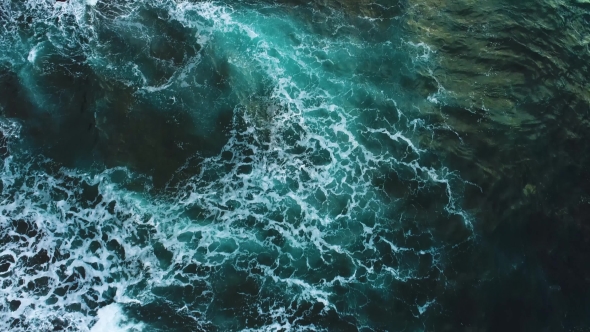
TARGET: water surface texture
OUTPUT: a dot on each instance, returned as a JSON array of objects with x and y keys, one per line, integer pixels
[{"x": 333, "y": 165}]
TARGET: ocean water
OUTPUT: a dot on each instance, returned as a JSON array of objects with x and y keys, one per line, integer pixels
[{"x": 173, "y": 165}]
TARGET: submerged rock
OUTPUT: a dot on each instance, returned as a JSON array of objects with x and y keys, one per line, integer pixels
[
  {"x": 156, "y": 142},
  {"x": 132, "y": 95},
  {"x": 501, "y": 90},
  {"x": 513, "y": 94}
]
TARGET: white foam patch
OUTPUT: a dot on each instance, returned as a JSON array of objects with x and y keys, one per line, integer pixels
[
  {"x": 298, "y": 188},
  {"x": 112, "y": 319},
  {"x": 422, "y": 308},
  {"x": 33, "y": 54}
]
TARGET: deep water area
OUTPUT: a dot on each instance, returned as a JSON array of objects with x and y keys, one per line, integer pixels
[{"x": 288, "y": 165}]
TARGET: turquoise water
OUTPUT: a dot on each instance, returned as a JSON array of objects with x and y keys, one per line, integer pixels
[{"x": 226, "y": 166}]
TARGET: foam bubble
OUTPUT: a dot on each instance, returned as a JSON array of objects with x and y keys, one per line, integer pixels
[{"x": 112, "y": 319}]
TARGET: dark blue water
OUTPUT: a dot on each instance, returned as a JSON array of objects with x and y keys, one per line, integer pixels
[{"x": 288, "y": 166}]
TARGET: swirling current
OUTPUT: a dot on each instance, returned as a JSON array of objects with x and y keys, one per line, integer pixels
[{"x": 286, "y": 165}]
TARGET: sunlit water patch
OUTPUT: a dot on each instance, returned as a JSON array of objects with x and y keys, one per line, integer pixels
[{"x": 308, "y": 201}]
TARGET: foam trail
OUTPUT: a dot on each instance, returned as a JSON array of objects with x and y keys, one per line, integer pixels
[{"x": 309, "y": 205}]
